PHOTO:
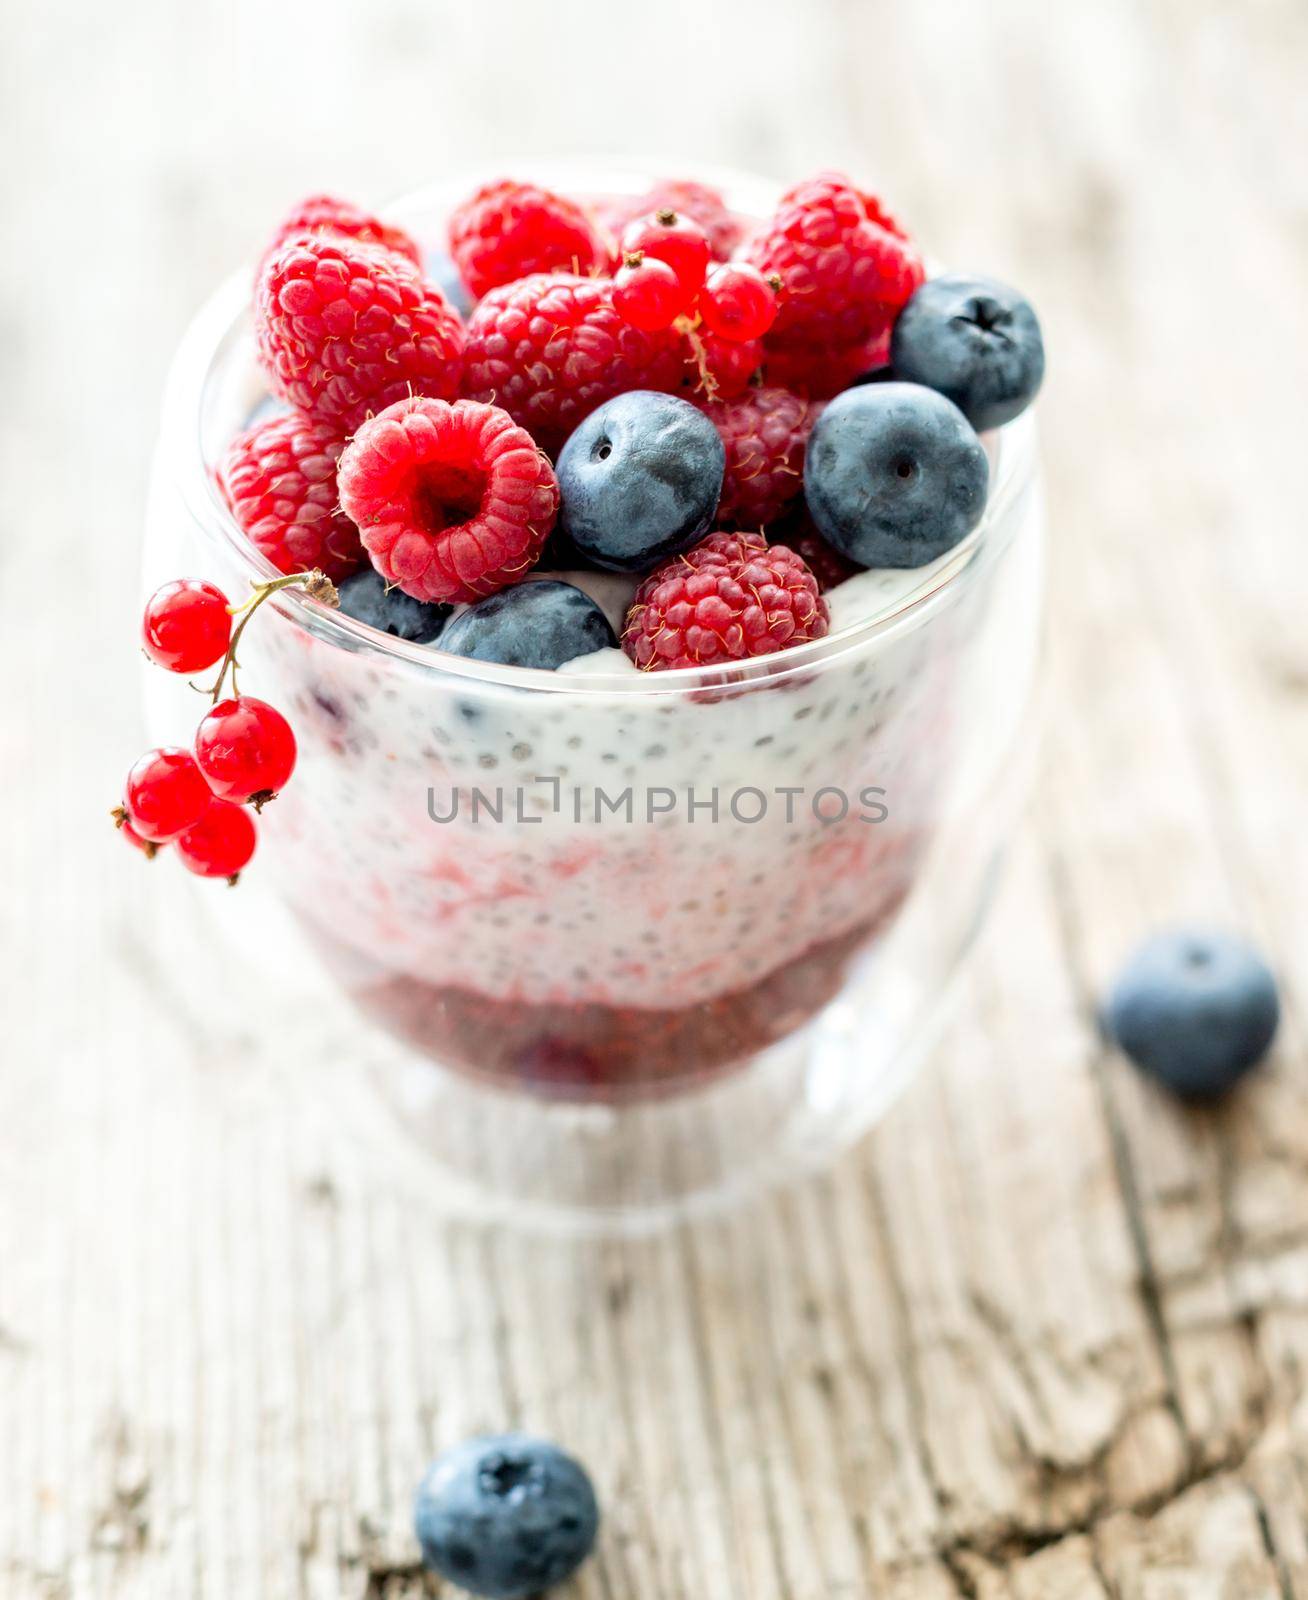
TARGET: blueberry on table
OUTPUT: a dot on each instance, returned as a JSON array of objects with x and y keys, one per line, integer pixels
[
  {"x": 894, "y": 475},
  {"x": 975, "y": 341},
  {"x": 639, "y": 480},
  {"x": 540, "y": 623},
  {"x": 505, "y": 1517},
  {"x": 1195, "y": 1008},
  {"x": 366, "y": 598}
]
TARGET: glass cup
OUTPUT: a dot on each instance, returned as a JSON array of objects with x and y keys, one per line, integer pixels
[{"x": 649, "y": 940}]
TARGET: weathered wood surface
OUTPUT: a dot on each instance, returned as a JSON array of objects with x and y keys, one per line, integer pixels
[{"x": 1043, "y": 1334}]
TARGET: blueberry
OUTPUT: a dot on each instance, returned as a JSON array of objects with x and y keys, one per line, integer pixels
[
  {"x": 1195, "y": 1008},
  {"x": 894, "y": 475},
  {"x": 535, "y": 624},
  {"x": 267, "y": 407},
  {"x": 639, "y": 480},
  {"x": 975, "y": 341},
  {"x": 366, "y": 598},
  {"x": 439, "y": 269},
  {"x": 559, "y": 554},
  {"x": 505, "y": 1517}
]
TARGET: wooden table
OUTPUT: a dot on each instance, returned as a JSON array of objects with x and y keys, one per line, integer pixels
[{"x": 1044, "y": 1333}]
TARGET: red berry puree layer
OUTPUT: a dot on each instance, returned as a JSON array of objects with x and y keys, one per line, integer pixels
[{"x": 589, "y": 1051}]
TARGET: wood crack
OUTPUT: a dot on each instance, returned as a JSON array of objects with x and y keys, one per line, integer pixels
[
  {"x": 913, "y": 1391},
  {"x": 1112, "y": 1589},
  {"x": 1008, "y": 1546},
  {"x": 701, "y": 1337},
  {"x": 403, "y": 1580},
  {"x": 1275, "y": 1556},
  {"x": 1123, "y": 1165}
]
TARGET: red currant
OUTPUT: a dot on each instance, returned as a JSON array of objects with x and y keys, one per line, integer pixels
[
  {"x": 245, "y": 749},
  {"x": 220, "y": 844},
  {"x": 187, "y": 625},
  {"x": 683, "y": 244},
  {"x": 738, "y": 302},
  {"x": 164, "y": 794},
  {"x": 148, "y": 848},
  {"x": 648, "y": 294}
]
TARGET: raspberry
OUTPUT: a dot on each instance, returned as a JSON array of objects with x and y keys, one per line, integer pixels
[
  {"x": 846, "y": 266},
  {"x": 825, "y": 562},
  {"x": 345, "y": 329},
  {"x": 326, "y": 214},
  {"x": 553, "y": 347},
  {"x": 820, "y": 373},
  {"x": 508, "y": 231},
  {"x": 688, "y": 199},
  {"x": 764, "y": 432},
  {"x": 731, "y": 597},
  {"x": 279, "y": 478},
  {"x": 454, "y": 501}
]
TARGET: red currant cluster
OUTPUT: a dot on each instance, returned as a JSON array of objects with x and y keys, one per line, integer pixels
[
  {"x": 243, "y": 753},
  {"x": 666, "y": 276}
]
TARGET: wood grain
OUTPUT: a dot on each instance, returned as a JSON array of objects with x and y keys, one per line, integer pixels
[{"x": 1044, "y": 1333}]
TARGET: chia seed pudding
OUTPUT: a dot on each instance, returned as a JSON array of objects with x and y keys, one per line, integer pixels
[
  {"x": 582, "y": 942},
  {"x": 602, "y": 883}
]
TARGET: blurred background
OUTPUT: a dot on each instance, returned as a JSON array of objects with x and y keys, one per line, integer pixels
[{"x": 232, "y": 1326}]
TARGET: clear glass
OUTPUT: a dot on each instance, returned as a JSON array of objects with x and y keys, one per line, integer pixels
[{"x": 649, "y": 940}]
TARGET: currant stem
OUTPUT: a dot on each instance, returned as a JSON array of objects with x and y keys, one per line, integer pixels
[
  {"x": 148, "y": 847},
  {"x": 317, "y": 585},
  {"x": 707, "y": 382}
]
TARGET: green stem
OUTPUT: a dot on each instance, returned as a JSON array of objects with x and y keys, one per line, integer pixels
[{"x": 315, "y": 584}]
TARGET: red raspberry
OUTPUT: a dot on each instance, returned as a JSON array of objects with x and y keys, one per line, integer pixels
[
  {"x": 326, "y": 214},
  {"x": 820, "y": 373},
  {"x": 553, "y": 347},
  {"x": 454, "y": 501},
  {"x": 764, "y": 432},
  {"x": 346, "y": 329},
  {"x": 731, "y": 597},
  {"x": 279, "y": 478},
  {"x": 846, "y": 266},
  {"x": 688, "y": 199},
  {"x": 825, "y": 562},
  {"x": 508, "y": 230}
]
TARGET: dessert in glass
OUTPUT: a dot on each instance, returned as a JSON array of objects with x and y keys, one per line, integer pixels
[{"x": 649, "y": 938}]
